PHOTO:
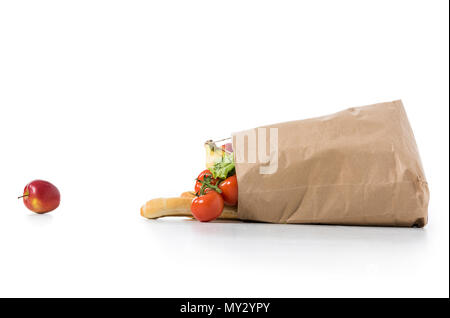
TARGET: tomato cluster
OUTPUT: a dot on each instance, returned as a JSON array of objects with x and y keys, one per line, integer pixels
[{"x": 212, "y": 194}]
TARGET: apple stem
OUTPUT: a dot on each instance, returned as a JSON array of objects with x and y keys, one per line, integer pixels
[{"x": 25, "y": 195}]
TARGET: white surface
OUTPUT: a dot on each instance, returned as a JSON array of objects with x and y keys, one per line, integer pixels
[{"x": 112, "y": 100}]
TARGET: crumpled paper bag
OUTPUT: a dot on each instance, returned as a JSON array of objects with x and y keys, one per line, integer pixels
[{"x": 360, "y": 166}]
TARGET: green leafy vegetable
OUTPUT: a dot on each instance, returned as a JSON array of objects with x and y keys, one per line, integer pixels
[{"x": 224, "y": 167}]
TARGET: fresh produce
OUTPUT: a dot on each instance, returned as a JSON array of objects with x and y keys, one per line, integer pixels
[
  {"x": 219, "y": 160},
  {"x": 207, "y": 207},
  {"x": 227, "y": 147},
  {"x": 204, "y": 177},
  {"x": 161, "y": 207},
  {"x": 229, "y": 190},
  {"x": 41, "y": 196},
  {"x": 224, "y": 167},
  {"x": 213, "y": 154},
  {"x": 219, "y": 179},
  {"x": 214, "y": 188}
]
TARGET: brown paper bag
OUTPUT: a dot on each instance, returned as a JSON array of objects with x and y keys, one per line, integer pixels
[{"x": 360, "y": 166}]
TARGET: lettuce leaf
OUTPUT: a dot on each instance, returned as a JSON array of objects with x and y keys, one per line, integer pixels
[{"x": 224, "y": 167}]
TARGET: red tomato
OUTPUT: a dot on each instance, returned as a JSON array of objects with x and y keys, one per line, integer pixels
[
  {"x": 229, "y": 189},
  {"x": 207, "y": 207},
  {"x": 201, "y": 176}
]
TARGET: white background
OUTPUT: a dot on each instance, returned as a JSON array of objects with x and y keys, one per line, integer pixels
[{"x": 112, "y": 101}]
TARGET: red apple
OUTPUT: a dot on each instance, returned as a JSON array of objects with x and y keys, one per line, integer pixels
[
  {"x": 41, "y": 196},
  {"x": 228, "y": 147}
]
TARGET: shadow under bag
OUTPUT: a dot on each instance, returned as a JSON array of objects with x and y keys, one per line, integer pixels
[{"x": 360, "y": 166}]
